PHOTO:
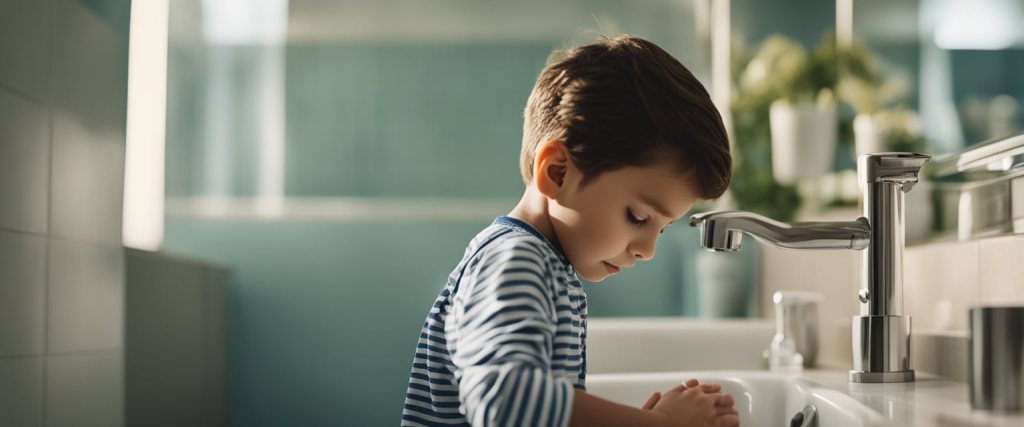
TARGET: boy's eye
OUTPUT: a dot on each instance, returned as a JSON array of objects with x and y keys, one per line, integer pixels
[
  {"x": 637, "y": 222},
  {"x": 633, "y": 219}
]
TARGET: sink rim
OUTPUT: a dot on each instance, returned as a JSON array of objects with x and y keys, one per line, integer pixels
[{"x": 807, "y": 389}]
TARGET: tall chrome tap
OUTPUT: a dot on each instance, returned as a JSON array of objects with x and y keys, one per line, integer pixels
[{"x": 881, "y": 333}]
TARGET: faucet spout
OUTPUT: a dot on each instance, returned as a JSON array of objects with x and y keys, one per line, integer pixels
[{"x": 721, "y": 231}]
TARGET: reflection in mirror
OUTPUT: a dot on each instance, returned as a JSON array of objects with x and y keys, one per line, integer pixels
[
  {"x": 961, "y": 59},
  {"x": 960, "y": 56}
]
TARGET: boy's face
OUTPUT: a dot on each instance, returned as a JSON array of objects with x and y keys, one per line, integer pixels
[{"x": 617, "y": 217}]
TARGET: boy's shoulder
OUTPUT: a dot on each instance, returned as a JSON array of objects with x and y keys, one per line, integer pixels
[
  {"x": 498, "y": 239},
  {"x": 514, "y": 241},
  {"x": 507, "y": 254}
]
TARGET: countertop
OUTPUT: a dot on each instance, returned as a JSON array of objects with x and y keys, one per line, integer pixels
[{"x": 928, "y": 401}]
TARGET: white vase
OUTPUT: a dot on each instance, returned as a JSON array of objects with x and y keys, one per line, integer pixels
[
  {"x": 803, "y": 140},
  {"x": 869, "y": 135}
]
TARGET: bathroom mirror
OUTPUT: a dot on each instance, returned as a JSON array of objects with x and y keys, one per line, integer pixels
[{"x": 961, "y": 60}]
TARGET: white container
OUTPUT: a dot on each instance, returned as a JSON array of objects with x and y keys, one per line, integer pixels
[
  {"x": 869, "y": 135},
  {"x": 803, "y": 140}
]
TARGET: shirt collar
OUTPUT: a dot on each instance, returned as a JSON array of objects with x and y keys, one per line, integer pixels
[{"x": 518, "y": 224}]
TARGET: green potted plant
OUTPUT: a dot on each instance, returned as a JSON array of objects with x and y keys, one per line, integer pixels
[{"x": 784, "y": 121}]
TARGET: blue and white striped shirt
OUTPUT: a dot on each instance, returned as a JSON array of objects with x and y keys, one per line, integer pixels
[{"x": 505, "y": 342}]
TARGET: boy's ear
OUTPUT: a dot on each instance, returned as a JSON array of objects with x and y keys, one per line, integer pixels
[{"x": 551, "y": 166}]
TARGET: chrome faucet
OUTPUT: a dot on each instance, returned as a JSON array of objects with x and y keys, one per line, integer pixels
[{"x": 881, "y": 334}]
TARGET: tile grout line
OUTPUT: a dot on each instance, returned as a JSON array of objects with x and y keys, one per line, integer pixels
[
  {"x": 86, "y": 352},
  {"x": 49, "y": 219},
  {"x": 60, "y": 354},
  {"x": 25, "y": 96},
  {"x": 23, "y": 232}
]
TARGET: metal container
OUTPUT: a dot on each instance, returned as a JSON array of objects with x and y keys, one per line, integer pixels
[
  {"x": 996, "y": 358},
  {"x": 979, "y": 191}
]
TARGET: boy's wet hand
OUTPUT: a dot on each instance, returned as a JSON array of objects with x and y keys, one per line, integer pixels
[
  {"x": 707, "y": 387},
  {"x": 651, "y": 401},
  {"x": 689, "y": 404},
  {"x": 725, "y": 404}
]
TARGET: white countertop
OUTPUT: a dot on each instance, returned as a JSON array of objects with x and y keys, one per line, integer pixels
[{"x": 928, "y": 401}]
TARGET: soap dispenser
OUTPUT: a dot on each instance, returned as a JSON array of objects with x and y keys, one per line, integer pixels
[{"x": 795, "y": 344}]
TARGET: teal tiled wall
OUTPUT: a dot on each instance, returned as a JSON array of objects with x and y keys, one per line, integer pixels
[
  {"x": 407, "y": 120},
  {"x": 364, "y": 120}
]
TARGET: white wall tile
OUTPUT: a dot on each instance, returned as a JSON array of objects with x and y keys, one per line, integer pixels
[
  {"x": 1002, "y": 270},
  {"x": 85, "y": 389},
  {"x": 940, "y": 282},
  {"x": 87, "y": 193},
  {"x": 24, "y": 161},
  {"x": 85, "y": 308},
  {"x": 21, "y": 391},
  {"x": 22, "y": 293},
  {"x": 90, "y": 75},
  {"x": 61, "y": 295},
  {"x": 943, "y": 354},
  {"x": 26, "y": 28}
]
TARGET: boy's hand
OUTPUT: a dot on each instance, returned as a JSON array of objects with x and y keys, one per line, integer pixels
[
  {"x": 695, "y": 404},
  {"x": 708, "y": 388}
]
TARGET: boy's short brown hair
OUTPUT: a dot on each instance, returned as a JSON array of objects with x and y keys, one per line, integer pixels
[{"x": 624, "y": 101}]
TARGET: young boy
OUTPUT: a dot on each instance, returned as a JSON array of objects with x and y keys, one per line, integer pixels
[{"x": 619, "y": 141}]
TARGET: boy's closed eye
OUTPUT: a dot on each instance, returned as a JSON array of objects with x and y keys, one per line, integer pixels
[{"x": 636, "y": 222}]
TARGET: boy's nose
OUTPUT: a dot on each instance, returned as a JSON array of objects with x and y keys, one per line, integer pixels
[{"x": 644, "y": 249}]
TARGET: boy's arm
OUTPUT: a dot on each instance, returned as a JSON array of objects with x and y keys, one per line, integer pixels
[
  {"x": 590, "y": 410},
  {"x": 500, "y": 333}
]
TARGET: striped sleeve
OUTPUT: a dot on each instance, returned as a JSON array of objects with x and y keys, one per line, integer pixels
[{"x": 501, "y": 340}]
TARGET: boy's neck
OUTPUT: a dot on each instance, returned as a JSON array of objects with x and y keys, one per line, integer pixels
[{"x": 533, "y": 209}]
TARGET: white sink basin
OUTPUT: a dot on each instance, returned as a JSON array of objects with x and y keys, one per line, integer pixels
[
  {"x": 622, "y": 345},
  {"x": 762, "y": 398}
]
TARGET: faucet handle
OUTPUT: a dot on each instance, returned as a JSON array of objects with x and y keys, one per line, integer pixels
[{"x": 899, "y": 168}]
